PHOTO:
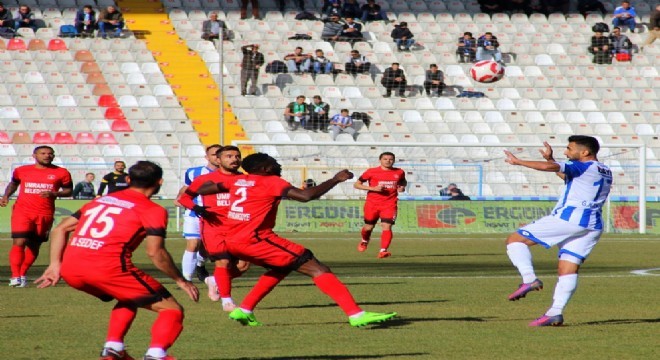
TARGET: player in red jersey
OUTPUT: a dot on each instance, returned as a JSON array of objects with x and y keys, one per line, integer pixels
[
  {"x": 216, "y": 206},
  {"x": 254, "y": 199},
  {"x": 385, "y": 184},
  {"x": 32, "y": 214},
  {"x": 97, "y": 260}
]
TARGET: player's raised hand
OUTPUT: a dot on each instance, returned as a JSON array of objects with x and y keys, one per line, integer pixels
[
  {"x": 47, "y": 194},
  {"x": 378, "y": 188},
  {"x": 189, "y": 288},
  {"x": 510, "y": 158},
  {"x": 343, "y": 175},
  {"x": 50, "y": 277},
  {"x": 546, "y": 152}
]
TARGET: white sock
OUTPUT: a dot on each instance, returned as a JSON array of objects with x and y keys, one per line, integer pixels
[
  {"x": 227, "y": 301},
  {"x": 246, "y": 311},
  {"x": 564, "y": 289},
  {"x": 355, "y": 316},
  {"x": 521, "y": 258},
  {"x": 188, "y": 264},
  {"x": 114, "y": 345},
  {"x": 383, "y": 250},
  {"x": 156, "y": 352},
  {"x": 210, "y": 281},
  {"x": 200, "y": 259}
]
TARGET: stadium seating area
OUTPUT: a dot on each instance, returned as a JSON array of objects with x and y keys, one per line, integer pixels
[{"x": 100, "y": 100}]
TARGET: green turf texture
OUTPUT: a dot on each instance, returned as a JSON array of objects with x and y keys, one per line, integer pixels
[{"x": 450, "y": 292}]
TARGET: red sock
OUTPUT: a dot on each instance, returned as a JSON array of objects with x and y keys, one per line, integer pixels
[
  {"x": 335, "y": 289},
  {"x": 166, "y": 328},
  {"x": 263, "y": 287},
  {"x": 366, "y": 234},
  {"x": 223, "y": 280},
  {"x": 385, "y": 239},
  {"x": 16, "y": 257},
  {"x": 121, "y": 319},
  {"x": 31, "y": 253}
]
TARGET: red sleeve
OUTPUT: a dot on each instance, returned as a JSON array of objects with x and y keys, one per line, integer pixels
[
  {"x": 278, "y": 186},
  {"x": 402, "y": 179},
  {"x": 154, "y": 221},
  {"x": 187, "y": 198},
  {"x": 66, "y": 179},
  {"x": 366, "y": 176},
  {"x": 16, "y": 176}
]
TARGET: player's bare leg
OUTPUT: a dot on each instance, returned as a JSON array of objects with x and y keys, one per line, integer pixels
[
  {"x": 366, "y": 231},
  {"x": 189, "y": 259},
  {"x": 166, "y": 328},
  {"x": 385, "y": 239},
  {"x": 517, "y": 248}
]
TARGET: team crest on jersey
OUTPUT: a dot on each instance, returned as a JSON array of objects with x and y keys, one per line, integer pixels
[{"x": 51, "y": 177}]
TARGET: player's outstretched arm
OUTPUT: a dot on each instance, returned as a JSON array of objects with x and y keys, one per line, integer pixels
[
  {"x": 536, "y": 165},
  {"x": 163, "y": 261},
  {"x": 316, "y": 192},
  {"x": 181, "y": 192},
  {"x": 9, "y": 191},
  {"x": 58, "y": 239}
]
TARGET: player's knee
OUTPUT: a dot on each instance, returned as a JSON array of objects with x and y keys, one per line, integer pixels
[
  {"x": 514, "y": 238},
  {"x": 191, "y": 244}
]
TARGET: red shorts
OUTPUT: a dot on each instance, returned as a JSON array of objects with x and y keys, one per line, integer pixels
[
  {"x": 385, "y": 212},
  {"x": 132, "y": 286},
  {"x": 214, "y": 243},
  {"x": 270, "y": 251},
  {"x": 30, "y": 226}
]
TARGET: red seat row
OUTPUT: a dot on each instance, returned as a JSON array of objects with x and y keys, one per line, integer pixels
[{"x": 61, "y": 137}]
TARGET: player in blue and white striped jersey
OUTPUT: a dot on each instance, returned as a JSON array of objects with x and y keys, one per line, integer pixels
[
  {"x": 192, "y": 259},
  {"x": 575, "y": 224}
]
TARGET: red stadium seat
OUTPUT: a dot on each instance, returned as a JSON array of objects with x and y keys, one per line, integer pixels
[
  {"x": 89, "y": 67},
  {"x": 16, "y": 44},
  {"x": 36, "y": 45},
  {"x": 121, "y": 126},
  {"x": 83, "y": 55},
  {"x": 106, "y": 139},
  {"x": 85, "y": 138},
  {"x": 42, "y": 138},
  {"x": 102, "y": 89},
  {"x": 2, "y": 45},
  {"x": 21, "y": 138},
  {"x": 96, "y": 78},
  {"x": 108, "y": 101},
  {"x": 64, "y": 138},
  {"x": 4, "y": 138},
  {"x": 56, "y": 44},
  {"x": 114, "y": 113}
]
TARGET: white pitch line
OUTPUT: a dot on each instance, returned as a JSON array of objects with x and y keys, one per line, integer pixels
[{"x": 645, "y": 272}]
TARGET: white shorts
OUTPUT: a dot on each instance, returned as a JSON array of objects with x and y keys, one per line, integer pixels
[
  {"x": 574, "y": 242},
  {"x": 191, "y": 227}
]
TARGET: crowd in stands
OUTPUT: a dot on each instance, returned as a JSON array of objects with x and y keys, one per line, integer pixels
[{"x": 314, "y": 116}]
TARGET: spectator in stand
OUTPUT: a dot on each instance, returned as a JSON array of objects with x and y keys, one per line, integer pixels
[
  {"x": 488, "y": 47},
  {"x": 351, "y": 8},
  {"x": 24, "y": 18},
  {"x": 447, "y": 191},
  {"x": 553, "y": 6},
  {"x": 85, "y": 21},
  {"x": 351, "y": 31},
  {"x": 321, "y": 64},
  {"x": 457, "y": 194},
  {"x": 654, "y": 26},
  {"x": 332, "y": 29},
  {"x": 467, "y": 48},
  {"x": 394, "y": 78},
  {"x": 297, "y": 113},
  {"x": 255, "y": 9},
  {"x": 319, "y": 113},
  {"x": 357, "y": 63},
  {"x": 342, "y": 123},
  {"x": 308, "y": 183},
  {"x": 6, "y": 21},
  {"x": 84, "y": 190},
  {"x": 110, "y": 19},
  {"x": 585, "y": 6},
  {"x": 619, "y": 43},
  {"x": 624, "y": 15},
  {"x": 297, "y": 62},
  {"x": 600, "y": 47},
  {"x": 372, "y": 12},
  {"x": 523, "y": 6},
  {"x": 211, "y": 28},
  {"x": 252, "y": 61},
  {"x": 300, "y": 3},
  {"x": 402, "y": 36},
  {"x": 332, "y": 7},
  {"x": 434, "y": 80},
  {"x": 491, "y": 6}
]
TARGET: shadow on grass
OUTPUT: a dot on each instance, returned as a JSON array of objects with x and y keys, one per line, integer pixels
[
  {"x": 312, "y": 306},
  {"x": 620, "y": 322},
  {"x": 445, "y": 255},
  {"x": 329, "y": 357},
  {"x": 23, "y": 316}
]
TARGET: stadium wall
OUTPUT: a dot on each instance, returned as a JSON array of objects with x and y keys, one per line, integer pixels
[{"x": 420, "y": 217}]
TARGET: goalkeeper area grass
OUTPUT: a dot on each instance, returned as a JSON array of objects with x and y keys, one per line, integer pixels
[{"x": 450, "y": 292}]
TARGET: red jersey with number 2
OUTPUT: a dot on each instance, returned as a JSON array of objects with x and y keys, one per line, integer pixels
[
  {"x": 254, "y": 201},
  {"x": 390, "y": 180},
  {"x": 33, "y": 181},
  {"x": 110, "y": 228}
]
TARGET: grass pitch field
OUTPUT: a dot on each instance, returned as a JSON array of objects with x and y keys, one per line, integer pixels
[{"x": 450, "y": 292}]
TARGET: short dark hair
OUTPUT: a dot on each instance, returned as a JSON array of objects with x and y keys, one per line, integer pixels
[
  {"x": 488, "y": 33},
  {"x": 395, "y": 63},
  {"x": 589, "y": 142},
  {"x": 467, "y": 33},
  {"x": 317, "y": 97},
  {"x": 254, "y": 161},
  {"x": 433, "y": 65},
  {"x": 90, "y": 173},
  {"x": 386, "y": 153},
  {"x": 88, "y": 7},
  {"x": 227, "y": 148},
  {"x": 212, "y": 146},
  {"x": 343, "y": 110},
  {"x": 145, "y": 174},
  {"x": 298, "y": 47},
  {"x": 43, "y": 147},
  {"x": 120, "y": 161}
]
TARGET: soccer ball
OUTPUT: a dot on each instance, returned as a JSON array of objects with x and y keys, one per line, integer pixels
[{"x": 487, "y": 71}]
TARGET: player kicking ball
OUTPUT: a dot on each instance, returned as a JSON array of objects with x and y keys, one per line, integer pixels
[
  {"x": 574, "y": 226},
  {"x": 254, "y": 199},
  {"x": 97, "y": 260},
  {"x": 385, "y": 182}
]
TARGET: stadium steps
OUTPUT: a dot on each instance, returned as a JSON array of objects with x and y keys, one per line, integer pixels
[{"x": 184, "y": 70}]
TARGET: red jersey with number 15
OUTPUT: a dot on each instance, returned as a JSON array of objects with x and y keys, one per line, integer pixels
[
  {"x": 254, "y": 201},
  {"x": 389, "y": 179},
  {"x": 110, "y": 228},
  {"x": 33, "y": 180}
]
